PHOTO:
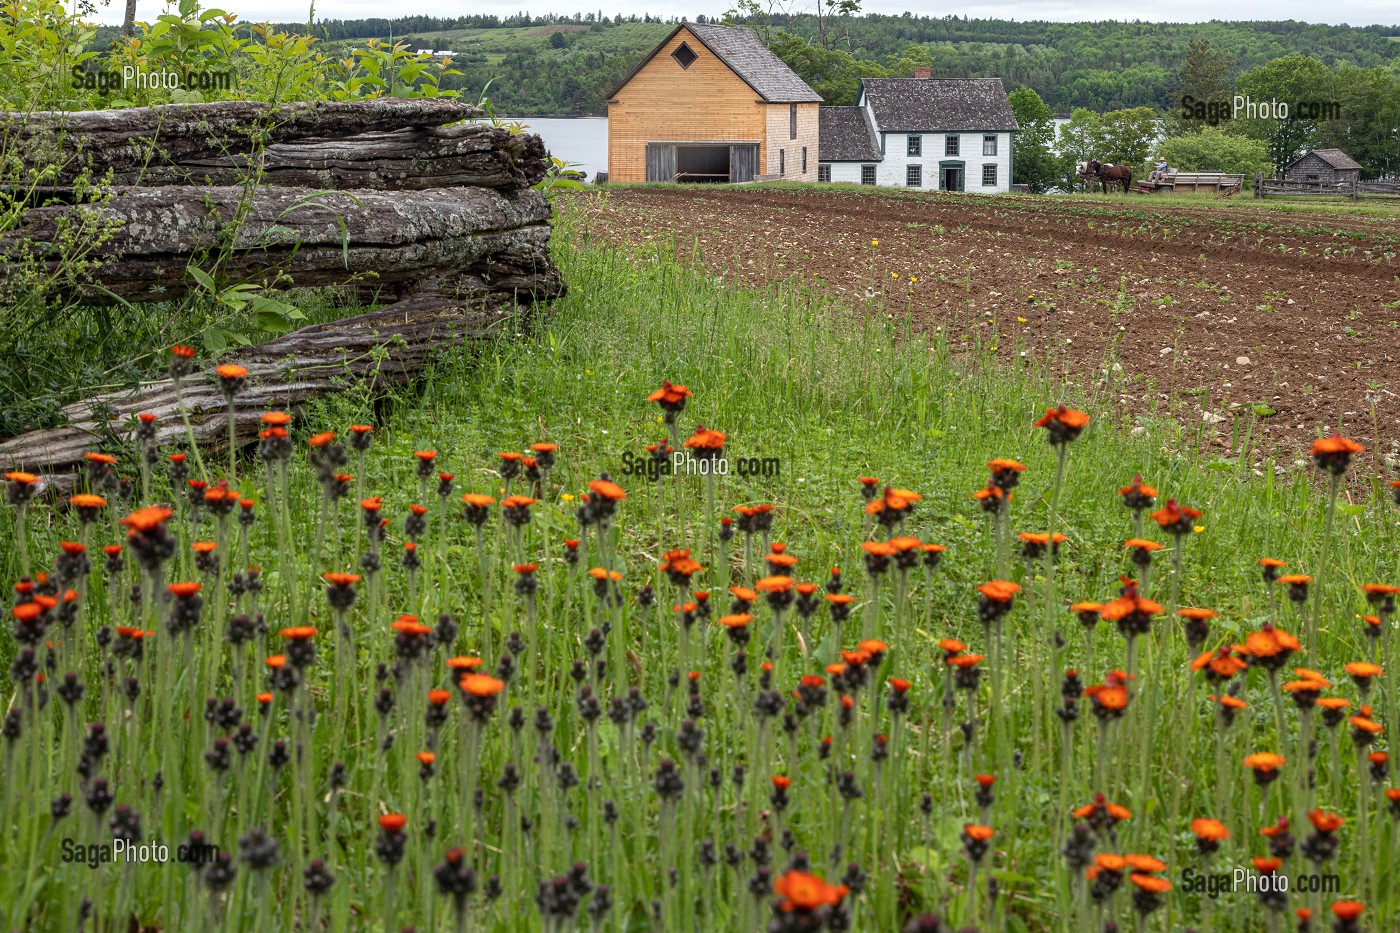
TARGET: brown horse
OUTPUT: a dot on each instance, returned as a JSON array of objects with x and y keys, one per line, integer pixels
[{"x": 1108, "y": 175}]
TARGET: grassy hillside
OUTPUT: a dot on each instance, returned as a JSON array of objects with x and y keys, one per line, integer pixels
[{"x": 558, "y": 65}]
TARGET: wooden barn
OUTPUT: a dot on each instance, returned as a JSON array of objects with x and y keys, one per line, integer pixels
[
  {"x": 1324, "y": 166},
  {"x": 712, "y": 104}
]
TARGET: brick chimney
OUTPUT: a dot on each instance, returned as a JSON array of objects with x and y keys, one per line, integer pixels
[{"x": 923, "y": 72}]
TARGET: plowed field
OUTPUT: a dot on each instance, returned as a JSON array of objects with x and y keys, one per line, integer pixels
[{"x": 1220, "y": 315}]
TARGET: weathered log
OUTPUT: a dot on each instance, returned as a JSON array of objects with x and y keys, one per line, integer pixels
[
  {"x": 284, "y": 237},
  {"x": 386, "y": 346},
  {"x": 473, "y": 154},
  {"x": 132, "y": 144},
  {"x": 407, "y": 159}
]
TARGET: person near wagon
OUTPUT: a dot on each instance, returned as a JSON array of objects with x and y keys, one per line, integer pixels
[{"x": 1159, "y": 170}]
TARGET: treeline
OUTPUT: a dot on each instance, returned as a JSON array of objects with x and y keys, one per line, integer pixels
[{"x": 561, "y": 64}]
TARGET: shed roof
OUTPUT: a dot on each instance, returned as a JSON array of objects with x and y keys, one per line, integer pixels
[
  {"x": 745, "y": 54},
  {"x": 933, "y": 105},
  {"x": 845, "y": 134},
  {"x": 1333, "y": 157}
]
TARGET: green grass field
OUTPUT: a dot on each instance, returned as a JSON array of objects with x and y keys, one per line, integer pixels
[{"x": 833, "y": 395}]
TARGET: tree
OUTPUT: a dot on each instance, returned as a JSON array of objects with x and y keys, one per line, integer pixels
[
  {"x": 1034, "y": 162},
  {"x": 1205, "y": 77},
  {"x": 1211, "y": 148},
  {"x": 1127, "y": 137},
  {"x": 1079, "y": 142},
  {"x": 1297, "y": 82},
  {"x": 832, "y": 73}
]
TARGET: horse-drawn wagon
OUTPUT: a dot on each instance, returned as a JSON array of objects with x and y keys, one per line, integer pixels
[{"x": 1213, "y": 182}]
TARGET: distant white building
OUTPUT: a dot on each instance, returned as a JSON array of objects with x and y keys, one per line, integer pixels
[{"x": 943, "y": 134}]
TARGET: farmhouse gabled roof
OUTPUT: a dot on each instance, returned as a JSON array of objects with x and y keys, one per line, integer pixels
[
  {"x": 935, "y": 105},
  {"x": 745, "y": 55},
  {"x": 845, "y": 134},
  {"x": 1333, "y": 157}
]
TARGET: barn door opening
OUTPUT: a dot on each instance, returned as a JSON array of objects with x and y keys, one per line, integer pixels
[
  {"x": 743, "y": 163},
  {"x": 661, "y": 162},
  {"x": 702, "y": 164}
]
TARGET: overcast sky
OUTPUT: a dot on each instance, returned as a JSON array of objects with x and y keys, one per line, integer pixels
[{"x": 1355, "y": 12}]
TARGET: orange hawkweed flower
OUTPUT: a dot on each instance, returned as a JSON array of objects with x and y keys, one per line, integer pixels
[
  {"x": 735, "y": 620},
  {"x": 1264, "y": 762},
  {"x": 774, "y": 584},
  {"x": 1175, "y": 518},
  {"x": 480, "y": 685},
  {"x": 1348, "y": 910},
  {"x": 1063, "y": 424},
  {"x": 1197, "y": 615},
  {"x": 93, "y": 456},
  {"x": 393, "y": 822},
  {"x": 299, "y": 632},
  {"x": 1145, "y": 863},
  {"x": 607, "y": 489},
  {"x": 439, "y": 697},
  {"x": 670, "y": 396},
  {"x": 83, "y": 500},
  {"x": 678, "y": 564},
  {"x": 341, "y": 579},
  {"x": 999, "y": 591},
  {"x": 230, "y": 371},
  {"x": 979, "y": 832},
  {"x": 518, "y": 502},
  {"x": 1363, "y": 671},
  {"x": 463, "y": 663},
  {"x": 1324, "y": 821},
  {"x": 425, "y": 758},
  {"x": 183, "y": 590},
  {"x": 147, "y": 519},
  {"x": 804, "y": 891},
  {"x": 276, "y": 661},
  {"x": 1209, "y": 830},
  {"x": 1142, "y": 544},
  {"x": 706, "y": 440},
  {"x": 1334, "y": 453},
  {"x": 276, "y": 419},
  {"x": 1150, "y": 883},
  {"x": 966, "y": 660}
]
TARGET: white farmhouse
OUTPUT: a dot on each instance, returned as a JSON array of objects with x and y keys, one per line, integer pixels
[{"x": 936, "y": 134}]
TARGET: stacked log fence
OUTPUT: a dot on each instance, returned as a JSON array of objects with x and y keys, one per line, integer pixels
[{"x": 404, "y": 201}]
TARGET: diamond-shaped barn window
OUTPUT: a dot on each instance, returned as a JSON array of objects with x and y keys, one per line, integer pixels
[{"x": 684, "y": 55}]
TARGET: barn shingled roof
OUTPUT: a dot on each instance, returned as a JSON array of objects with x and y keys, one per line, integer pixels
[
  {"x": 845, "y": 134},
  {"x": 1333, "y": 157},
  {"x": 747, "y": 56},
  {"x": 933, "y": 105}
]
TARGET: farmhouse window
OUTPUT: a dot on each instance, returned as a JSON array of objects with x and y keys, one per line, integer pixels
[
  {"x": 684, "y": 55},
  {"x": 916, "y": 145},
  {"x": 782, "y": 161},
  {"x": 989, "y": 145},
  {"x": 950, "y": 145},
  {"x": 867, "y": 174},
  {"x": 989, "y": 175},
  {"x": 823, "y": 173},
  {"x": 914, "y": 176},
  {"x": 804, "y": 160},
  {"x": 792, "y": 121}
]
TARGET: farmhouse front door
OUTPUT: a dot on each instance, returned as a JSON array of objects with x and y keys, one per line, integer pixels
[{"x": 952, "y": 176}]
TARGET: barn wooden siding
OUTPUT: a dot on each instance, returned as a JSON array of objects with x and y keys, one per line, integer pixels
[
  {"x": 779, "y": 126},
  {"x": 706, "y": 101}
]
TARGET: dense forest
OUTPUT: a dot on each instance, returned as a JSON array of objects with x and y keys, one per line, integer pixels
[{"x": 567, "y": 64}]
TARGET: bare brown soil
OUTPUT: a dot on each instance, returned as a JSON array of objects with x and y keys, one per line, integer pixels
[{"x": 1178, "y": 297}]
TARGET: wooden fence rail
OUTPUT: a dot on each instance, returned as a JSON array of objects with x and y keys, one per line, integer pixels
[{"x": 397, "y": 197}]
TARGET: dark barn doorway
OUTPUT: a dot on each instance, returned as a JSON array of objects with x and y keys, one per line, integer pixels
[{"x": 703, "y": 164}]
